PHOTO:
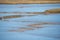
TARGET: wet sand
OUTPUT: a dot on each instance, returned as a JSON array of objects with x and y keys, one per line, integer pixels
[
  {"x": 22, "y": 29},
  {"x": 42, "y": 23},
  {"x": 33, "y": 27}
]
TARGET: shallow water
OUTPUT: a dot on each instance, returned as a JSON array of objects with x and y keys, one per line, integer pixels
[
  {"x": 48, "y": 32},
  {"x": 27, "y": 7}
]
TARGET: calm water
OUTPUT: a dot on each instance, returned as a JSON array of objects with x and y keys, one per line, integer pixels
[
  {"x": 49, "y": 32},
  {"x": 27, "y": 7}
]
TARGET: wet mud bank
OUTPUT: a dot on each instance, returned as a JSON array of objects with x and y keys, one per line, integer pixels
[
  {"x": 6, "y": 17},
  {"x": 34, "y": 26}
]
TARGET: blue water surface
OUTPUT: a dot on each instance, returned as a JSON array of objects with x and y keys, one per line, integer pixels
[{"x": 49, "y": 32}]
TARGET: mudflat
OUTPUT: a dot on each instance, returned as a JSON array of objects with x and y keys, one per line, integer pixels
[{"x": 34, "y": 26}]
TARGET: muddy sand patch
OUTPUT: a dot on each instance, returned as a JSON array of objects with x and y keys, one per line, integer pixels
[
  {"x": 22, "y": 29},
  {"x": 33, "y": 26}
]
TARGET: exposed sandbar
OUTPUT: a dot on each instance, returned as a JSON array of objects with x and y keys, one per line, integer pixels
[{"x": 54, "y": 11}]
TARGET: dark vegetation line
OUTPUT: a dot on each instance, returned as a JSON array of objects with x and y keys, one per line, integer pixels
[{"x": 13, "y": 16}]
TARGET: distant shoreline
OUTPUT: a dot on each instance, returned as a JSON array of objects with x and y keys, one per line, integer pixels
[{"x": 31, "y": 2}]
